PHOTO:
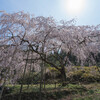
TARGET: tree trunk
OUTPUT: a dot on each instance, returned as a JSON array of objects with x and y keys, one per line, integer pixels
[
  {"x": 3, "y": 86},
  {"x": 41, "y": 81},
  {"x": 63, "y": 76},
  {"x": 44, "y": 77},
  {"x": 30, "y": 71},
  {"x": 23, "y": 78}
]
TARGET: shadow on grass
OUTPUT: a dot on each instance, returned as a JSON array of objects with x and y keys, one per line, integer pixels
[{"x": 47, "y": 94}]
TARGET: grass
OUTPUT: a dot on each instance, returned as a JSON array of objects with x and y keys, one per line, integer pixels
[
  {"x": 32, "y": 88},
  {"x": 68, "y": 92},
  {"x": 93, "y": 93}
]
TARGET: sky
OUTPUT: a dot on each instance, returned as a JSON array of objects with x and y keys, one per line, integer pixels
[{"x": 85, "y": 12}]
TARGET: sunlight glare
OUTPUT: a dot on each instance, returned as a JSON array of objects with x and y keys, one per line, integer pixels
[{"x": 74, "y": 7}]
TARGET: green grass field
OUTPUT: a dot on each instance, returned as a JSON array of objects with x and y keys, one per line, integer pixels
[{"x": 68, "y": 92}]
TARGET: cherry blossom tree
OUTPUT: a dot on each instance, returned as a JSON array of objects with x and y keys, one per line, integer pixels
[{"x": 44, "y": 36}]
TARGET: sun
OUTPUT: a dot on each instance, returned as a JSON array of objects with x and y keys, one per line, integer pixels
[{"x": 74, "y": 7}]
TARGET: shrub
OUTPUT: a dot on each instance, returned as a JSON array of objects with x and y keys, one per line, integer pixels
[
  {"x": 29, "y": 79},
  {"x": 84, "y": 74}
]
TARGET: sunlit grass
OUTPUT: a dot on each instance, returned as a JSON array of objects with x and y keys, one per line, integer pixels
[
  {"x": 32, "y": 88},
  {"x": 75, "y": 91}
]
